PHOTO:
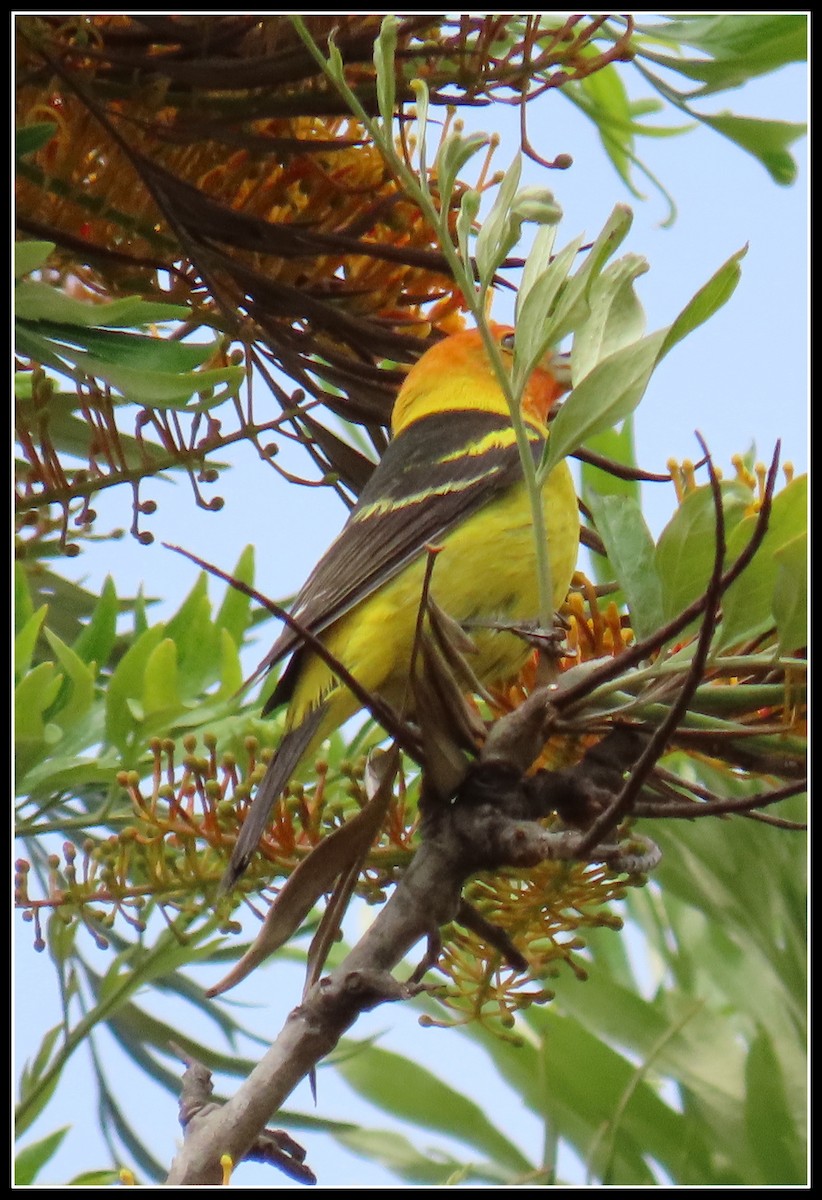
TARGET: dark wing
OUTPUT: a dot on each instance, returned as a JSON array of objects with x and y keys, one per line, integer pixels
[{"x": 438, "y": 471}]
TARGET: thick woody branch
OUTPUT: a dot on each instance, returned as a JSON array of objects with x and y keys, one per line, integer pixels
[{"x": 490, "y": 824}]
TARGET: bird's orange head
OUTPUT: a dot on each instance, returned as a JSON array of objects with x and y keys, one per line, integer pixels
[{"x": 456, "y": 374}]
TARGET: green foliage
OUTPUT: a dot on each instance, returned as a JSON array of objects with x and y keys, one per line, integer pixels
[
  {"x": 32, "y": 1158},
  {"x": 685, "y": 1063},
  {"x": 87, "y": 710},
  {"x": 733, "y": 48},
  {"x": 84, "y": 341}
]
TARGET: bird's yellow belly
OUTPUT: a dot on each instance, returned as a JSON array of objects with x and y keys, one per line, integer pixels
[{"x": 485, "y": 571}]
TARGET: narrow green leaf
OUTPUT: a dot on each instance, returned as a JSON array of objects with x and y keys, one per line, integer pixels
[
  {"x": 30, "y": 256},
  {"x": 29, "y": 138},
  {"x": 469, "y": 208},
  {"x": 385, "y": 48},
  {"x": 748, "y": 605},
  {"x": 196, "y": 638},
  {"x": 32, "y": 1158},
  {"x": 708, "y": 300},
  {"x": 37, "y": 1083},
  {"x": 534, "y": 325},
  {"x": 233, "y": 614},
  {"x": 685, "y": 550},
  {"x": 739, "y": 46},
  {"x": 420, "y": 90},
  {"x": 34, "y": 694},
  {"x": 105, "y": 1177},
  {"x": 35, "y": 301},
  {"x": 615, "y": 317},
  {"x": 616, "y": 444},
  {"x": 767, "y": 141},
  {"x": 621, "y": 525},
  {"x": 127, "y": 683},
  {"x": 131, "y": 349},
  {"x": 78, "y": 697},
  {"x": 775, "y": 1141},
  {"x": 454, "y": 152},
  {"x": 779, "y": 38},
  {"x": 231, "y": 668},
  {"x": 610, "y": 109},
  {"x": 161, "y": 691},
  {"x": 495, "y": 237},
  {"x": 572, "y": 305},
  {"x": 427, "y": 1102},
  {"x": 33, "y": 1070},
  {"x": 23, "y": 606},
  {"x": 398, "y": 1155},
  {"x": 26, "y": 640},
  {"x": 96, "y": 640},
  {"x": 790, "y": 601},
  {"x": 537, "y": 264},
  {"x": 607, "y": 395}
]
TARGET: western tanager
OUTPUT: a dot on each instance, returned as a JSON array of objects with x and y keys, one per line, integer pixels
[{"x": 451, "y": 476}]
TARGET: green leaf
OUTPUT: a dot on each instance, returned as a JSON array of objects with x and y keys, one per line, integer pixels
[
  {"x": 96, "y": 640},
  {"x": 748, "y": 604},
  {"x": 608, "y": 394},
  {"x": 427, "y": 1102},
  {"x": 233, "y": 614},
  {"x": 615, "y": 317},
  {"x": 398, "y": 1155},
  {"x": 105, "y": 1177},
  {"x": 572, "y": 305},
  {"x": 740, "y": 46},
  {"x": 608, "y": 105},
  {"x": 35, "y": 301},
  {"x": 779, "y": 38},
  {"x": 685, "y": 550},
  {"x": 30, "y": 256},
  {"x": 612, "y": 389},
  {"x": 34, "y": 694},
  {"x": 790, "y": 600},
  {"x": 534, "y": 327},
  {"x": 231, "y": 668},
  {"x": 196, "y": 639},
  {"x": 33, "y": 1096},
  {"x": 126, "y": 684},
  {"x": 767, "y": 141},
  {"x": 32, "y": 1158},
  {"x": 621, "y": 525},
  {"x": 23, "y": 607},
  {"x": 161, "y": 692},
  {"x": 616, "y": 444},
  {"x": 79, "y": 696},
  {"x": 708, "y": 300},
  {"x": 453, "y": 154},
  {"x": 773, "y": 1135},
  {"x": 385, "y": 48},
  {"x": 26, "y": 640},
  {"x": 420, "y": 90},
  {"x": 498, "y": 233},
  {"x": 29, "y": 138},
  {"x": 151, "y": 353},
  {"x": 469, "y": 208}
]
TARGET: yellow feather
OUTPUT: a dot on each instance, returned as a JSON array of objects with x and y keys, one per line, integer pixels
[{"x": 485, "y": 571}]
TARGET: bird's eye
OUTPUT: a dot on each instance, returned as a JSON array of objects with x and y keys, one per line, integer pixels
[{"x": 507, "y": 341}]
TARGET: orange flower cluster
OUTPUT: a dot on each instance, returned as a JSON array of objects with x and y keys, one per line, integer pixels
[{"x": 99, "y": 178}]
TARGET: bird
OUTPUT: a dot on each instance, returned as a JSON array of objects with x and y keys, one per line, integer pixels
[{"x": 450, "y": 476}]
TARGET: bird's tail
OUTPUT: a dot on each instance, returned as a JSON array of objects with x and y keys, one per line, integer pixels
[{"x": 291, "y": 750}]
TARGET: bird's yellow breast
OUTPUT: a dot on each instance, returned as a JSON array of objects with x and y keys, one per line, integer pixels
[{"x": 485, "y": 571}]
